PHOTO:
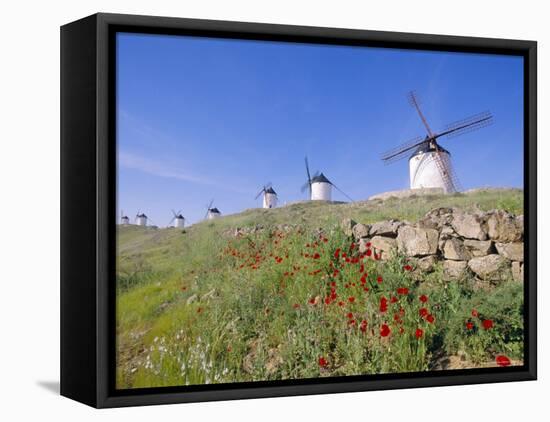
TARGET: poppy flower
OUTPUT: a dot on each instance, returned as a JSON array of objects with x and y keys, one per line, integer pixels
[
  {"x": 503, "y": 360},
  {"x": 430, "y": 318},
  {"x": 296, "y": 306},
  {"x": 383, "y": 304},
  {"x": 385, "y": 330},
  {"x": 379, "y": 279},
  {"x": 352, "y": 246},
  {"x": 423, "y": 298},
  {"x": 350, "y": 315},
  {"x": 423, "y": 312},
  {"x": 393, "y": 299},
  {"x": 469, "y": 325},
  {"x": 337, "y": 253},
  {"x": 487, "y": 323},
  {"x": 316, "y": 256},
  {"x": 351, "y": 299},
  {"x": 363, "y": 326},
  {"x": 312, "y": 301},
  {"x": 351, "y": 322},
  {"x": 368, "y": 252},
  {"x": 363, "y": 279},
  {"x": 362, "y": 268},
  {"x": 407, "y": 267},
  {"x": 402, "y": 291},
  {"x": 328, "y": 300},
  {"x": 341, "y": 303},
  {"x": 322, "y": 362},
  {"x": 475, "y": 314},
  {"x": 419, "y": 333}
]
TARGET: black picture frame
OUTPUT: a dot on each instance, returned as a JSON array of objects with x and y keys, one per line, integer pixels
[{"x": 88, "y": 195}]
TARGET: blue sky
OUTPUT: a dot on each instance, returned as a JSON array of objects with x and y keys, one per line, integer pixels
[{"x": 201, "y": 118}]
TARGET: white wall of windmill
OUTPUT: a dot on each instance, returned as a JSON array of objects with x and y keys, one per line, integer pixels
[
  {"x": 212, "y": 215},
  {"x": 141, "y": 221},
  {"x": 125, "y": 221},
  {"x": 270, "y": 200},
  {"x": 321, "y": 191},
  {"x": 179, "y": 222},
  {"x": 425, "y": 173}
]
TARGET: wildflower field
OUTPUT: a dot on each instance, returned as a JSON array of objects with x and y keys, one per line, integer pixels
[{"x": 202, "y": 305}]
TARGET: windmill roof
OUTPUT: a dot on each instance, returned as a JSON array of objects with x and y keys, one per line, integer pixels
[
  {"x": 141, "y": 215},
  {"x": 179, "y": 216},
  {"x": 426, "y": 147},
  {"x": 270, "y": 190},
  {"x": 214, "y": 210},
  {"x": 320, "y": 179}
]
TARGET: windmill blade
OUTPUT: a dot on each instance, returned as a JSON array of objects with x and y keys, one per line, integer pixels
[
  {"x": 446, "y": 171},
  {"x": 452, "y": 173},
  {"x": 401, "y": 151},
  {"x": 173, "y": 212},
  {"x": 467, "y": 125},
  {"x": 209, "y": 207},
  {"x": 342, "y": 192},
  {"x": 305, "y": 186},
  {"x": 259, "y": 193},
  {"x": 171, "y": 221},
  {"x": 307, "y": 171},
  {"x": 413, "y": 100}
]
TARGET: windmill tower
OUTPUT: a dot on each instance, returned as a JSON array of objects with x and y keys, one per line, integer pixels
[
  {"x": 141, "y": 219},
  {"x": 212, "y": 212},
  {"x": 269, "y": 197},
  {"x": 429, "y": 163},
  {"x": 178, "y": 220},
  {"x": 320, "y": 188},
  {"x": 124, "y": 220}
]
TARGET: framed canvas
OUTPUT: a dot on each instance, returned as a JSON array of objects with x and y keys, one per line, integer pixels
[{"x": 230, "y": 227}]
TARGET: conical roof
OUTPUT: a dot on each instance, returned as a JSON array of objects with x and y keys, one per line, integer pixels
[
  {"x": 320, "y": 179},
  {"x": 427, "y": 147},
  {"x": 270, "y": 190},
  {"x": 141, "y": 215},
  {"x": 214, "y": 210}
]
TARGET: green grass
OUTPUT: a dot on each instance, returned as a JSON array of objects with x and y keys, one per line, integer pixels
[{"x": 199, "y": 306}]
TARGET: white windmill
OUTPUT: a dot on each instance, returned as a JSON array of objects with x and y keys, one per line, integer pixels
[
  {"x": 141, "y": 219},
  {"x": 212, "y": 212},
  {"x": 124, "y": 220},
  {"x": 320, "y": 188},
  {"x": 178, "y": 219},
  {"x": 269, "y": 197},
  {"x": 429, "y": 163}
]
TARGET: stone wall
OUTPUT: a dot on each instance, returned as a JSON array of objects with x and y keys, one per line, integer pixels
[{"x": 487, "y": 245}]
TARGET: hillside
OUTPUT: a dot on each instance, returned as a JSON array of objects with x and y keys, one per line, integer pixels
[{"x": 199, "y": 305}]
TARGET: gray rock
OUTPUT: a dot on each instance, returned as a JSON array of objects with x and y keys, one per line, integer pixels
[
  {"x": 469, "y": 225},
  {"x": 436, "y": 218},
  {"x": 454, "y": 270},
  {"x": 385, "y": 228},
  {"x": 492, "y": 267},
  {"x": 454, "y": 249},
  {"x": 426, "y": 264},
  {"x": 191, "y": 299},
  {"x": 347, "y": 225},
  {"x": 363, "y": 244},
  {"x": 360, "y": 231},
  {"x": 512, "y": 251},
  {"x": 478, "y": 247},
  {"x": 381, "y": 243},
  {"x": 504, "y": 227},
  {"x": 517, "y": 271},
  {"x": 417, "y": 241}
]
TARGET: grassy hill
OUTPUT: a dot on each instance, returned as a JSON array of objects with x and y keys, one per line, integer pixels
[{"x": 201, "y": 306}]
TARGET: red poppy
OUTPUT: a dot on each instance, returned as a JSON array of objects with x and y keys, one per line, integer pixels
[
  {"x": 363, "y": 279},
  {"x": 487, "y": 323},
  {"x": 351, "y": 322},
  {"x": 337, "y": 253},
  {"x": 423, "y": 298},
  {"x": 475, "y": 314},
  {"x": 352, "y": 246},
  {"x": 341, "y": 303},
  {"x": 377, "y": 256},
  {"x": 363, "y": 326},
  {"x": 322, "y": 362},
  {"x": 328, "y": 300},
  {"x": 351, "y": 299},
  {"x": 379, "y": 279},
  {"x": 503, "y": 360},
  {"x": 407, "y": 267},
  {"x": 350, "y": 315},
  {"x": 402, "y": 291},
  {"x": 316, "y": 256},
  {"x": 385, "y": 330},
  {"x": 419, "y": 333},
  {"x": 362, "y": 268},
  {"x": 368, "y": 252},
  {"x": 333, "y": 283},
  {"x": 393, "y": 299},
  {"x": 383, "y": 304},
  {"x": 423, "y": 312},
  {"x": 430, "y": 318},
  {"x": 296, "y": 306},
  {"x": 469, "y": 325},
  {"x": 312, "y": 301}
]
